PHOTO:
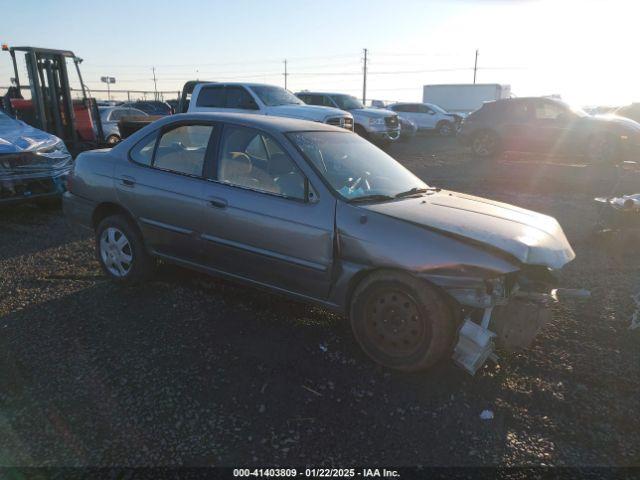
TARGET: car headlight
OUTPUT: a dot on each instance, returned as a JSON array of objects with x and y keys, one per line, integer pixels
[
  {"x": 376, "y": 121},
  {"x": 57, "y": 150}
]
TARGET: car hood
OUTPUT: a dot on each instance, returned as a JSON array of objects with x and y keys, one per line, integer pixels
[
  {"x": 313, "y": 112},
  {"x": 372, "y": 112},
  {"x": 531, "y": 237},
  {"x": 611, "y": 119},
  {"x": 18, "y": 137}
]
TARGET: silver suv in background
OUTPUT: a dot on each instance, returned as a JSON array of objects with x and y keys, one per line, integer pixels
[
  {"x": 262, "y": 99},
  {"x": 378, "y": 125},
  {"x": 428, "y": 116}
]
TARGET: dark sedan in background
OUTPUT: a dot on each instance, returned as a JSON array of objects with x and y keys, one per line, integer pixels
[
  {"x": 151, "y": 107},
  {"x": 111, "y": 116},
  {"x": 544, "y": 125},
  {"x": 319, "y": 213}
]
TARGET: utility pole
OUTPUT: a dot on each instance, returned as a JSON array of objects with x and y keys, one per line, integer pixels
[
  {"x": 364, "y": 79},
  {"x": 285, "y": 74},
  {"x": 475, "y": 67},
  {"x": 155, "y": 84}
]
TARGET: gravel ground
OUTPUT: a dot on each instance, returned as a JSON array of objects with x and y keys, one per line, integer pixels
[{"x": 189, "y": 370}]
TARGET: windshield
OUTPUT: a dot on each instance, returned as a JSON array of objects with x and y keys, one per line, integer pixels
[
  {"x": 578, "y": 111},
  {"x": 354, "y": 167},
  {"x": 437, "y": 108},
  {"x": 347, "y": 102},
  {"x": 274, "y": 96}
]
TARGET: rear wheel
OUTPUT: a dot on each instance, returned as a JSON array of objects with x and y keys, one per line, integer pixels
[
  {"x": 113, "y": 139},
  {"x": 400, "y": 321},
  {"x": 485, "y": 144},
  {"x": 121, "y": 251}
]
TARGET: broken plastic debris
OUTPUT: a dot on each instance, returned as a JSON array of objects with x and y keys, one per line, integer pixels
[
  {"x": 486, "y": 415},
  {"x": 474, "y": 346},
  {"x": 323, "y": 347},
  {"x": 626, "y": 202}
]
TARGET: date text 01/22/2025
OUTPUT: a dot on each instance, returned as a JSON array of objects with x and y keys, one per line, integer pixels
[{"x": 316, "y": 472}]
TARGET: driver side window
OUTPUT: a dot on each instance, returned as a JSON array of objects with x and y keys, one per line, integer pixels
[{"x": 251, "y": 159}]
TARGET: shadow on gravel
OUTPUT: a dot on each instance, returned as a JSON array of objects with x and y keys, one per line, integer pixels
[
  {"x": 188, "y": 369},
  {"x": 28, "y": 229}
]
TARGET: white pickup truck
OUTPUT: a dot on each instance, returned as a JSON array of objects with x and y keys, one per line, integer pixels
[{"x": 263, "y": 100}]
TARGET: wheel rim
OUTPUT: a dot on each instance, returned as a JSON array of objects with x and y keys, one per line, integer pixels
[
  {"x": 483, "y": 144},
  {"x": 393, "y": 324},
  {"x": 116, "y": 252},
  {"x": 445, "y": 129}
]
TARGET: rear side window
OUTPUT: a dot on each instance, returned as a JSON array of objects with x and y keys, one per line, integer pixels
[
  {"x": 211, "y": 97},
  {"x": 142, "y": 152},
  {"x": 183, "y": 149},
  {"x": 238, "y": 97},
  {"x": 520, "y": 112}
]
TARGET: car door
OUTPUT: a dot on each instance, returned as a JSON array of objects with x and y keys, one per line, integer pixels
[
  {"x": 410, "y": 112},
  {"x": 551, "y": 127},
  {"x": 426, "y": 117},
  {"x": 162, "y": 187},
  {"x": 515, "y": 126},
  {"x": 264, "y": 222}
]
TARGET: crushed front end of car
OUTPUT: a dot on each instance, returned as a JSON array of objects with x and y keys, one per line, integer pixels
[
  {"x": 34, "y": 174},
  {"x": 34, "y": 165}
]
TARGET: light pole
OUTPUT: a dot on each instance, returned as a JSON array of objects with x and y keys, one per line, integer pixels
[{"x": 108, "y": 81}]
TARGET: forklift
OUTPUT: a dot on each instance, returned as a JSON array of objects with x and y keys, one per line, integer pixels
[{"x": 52, "y": 107}]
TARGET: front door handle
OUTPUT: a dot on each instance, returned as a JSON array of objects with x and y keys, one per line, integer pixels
[
  {"x": 218, "y": 202},
  {"x": 127, "y": 181}
]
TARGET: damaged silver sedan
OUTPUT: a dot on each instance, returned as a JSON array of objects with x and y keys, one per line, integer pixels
[
  {"x": 318, "y": 213},
  {"x": 34, "y": 165}
]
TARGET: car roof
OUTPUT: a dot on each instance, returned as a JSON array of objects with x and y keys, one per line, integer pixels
[
  {"x": 315, "y": 92},
  {"x": 243, "y": 84},
  {"x": 268, "y": 123}
]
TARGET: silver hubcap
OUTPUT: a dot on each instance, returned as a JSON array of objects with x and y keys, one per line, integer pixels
[
  {"x": 445, "y": 130},
  {"x": 116, "y": 252},
  {"x": 483, "y": 144}
]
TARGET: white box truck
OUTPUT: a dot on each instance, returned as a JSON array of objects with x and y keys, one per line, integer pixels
[{"x": 464, "y": 97}]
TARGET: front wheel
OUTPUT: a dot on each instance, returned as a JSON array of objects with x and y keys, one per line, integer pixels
[
  {"x": 401, "y": 321},
  {"x": 445, "y": 129},
  {"x": 485, "y": 144},
  {"x": 121, "y": 251}
]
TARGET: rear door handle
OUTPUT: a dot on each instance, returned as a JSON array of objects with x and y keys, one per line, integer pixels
[
  {"x": 218, "y": 202},
  {"x": 127, "y": 181}
]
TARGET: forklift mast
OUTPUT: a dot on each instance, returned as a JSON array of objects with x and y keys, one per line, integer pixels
[{"x": 52, "y": 107}]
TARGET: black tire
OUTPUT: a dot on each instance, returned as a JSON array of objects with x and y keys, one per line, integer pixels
[
  {"x": 401, "y": 321},
  {"x": 141, "y": 264},
  {"x": 445, "y": 129},
  {"x": 486, "y": 144},
  {"x": 603, "y": 149},
  {"x": 360, "y": 130},
  {"x": 113, "y": 140}
]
